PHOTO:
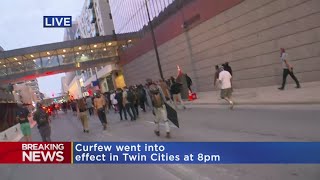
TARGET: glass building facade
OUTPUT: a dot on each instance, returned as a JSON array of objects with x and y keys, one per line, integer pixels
[{"x": 131, "y": 15}]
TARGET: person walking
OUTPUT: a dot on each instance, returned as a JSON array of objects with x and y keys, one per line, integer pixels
[
  {"x": 142, "y": 97},
  {"x": 119, "y": 98},
  {"x": 165, "y": 89},
  {"x": 226, "y": 91},
  {"x": 159, "y": 108},
  {"x": 128, "y": 100},
  {"x": 42, "y": 119},
  {"x": 99, "y": 105},
  {"x": 89, "y": 105},
  {"x": 136, "y": 102},
  {"x": 176, "y": 93},
  {"x": 287, "y": 69},
  {"x": 216, "y": 76},
  {"x": 22, "y": 116},
  {"x": 82, "y": 109},
  {"x": 189, "y": 82}
]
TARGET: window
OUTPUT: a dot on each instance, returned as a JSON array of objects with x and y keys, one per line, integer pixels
[{"x": 110, "y": 15}]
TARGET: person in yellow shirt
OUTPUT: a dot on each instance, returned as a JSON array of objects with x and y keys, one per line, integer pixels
[{"x": 99, "y": 105}]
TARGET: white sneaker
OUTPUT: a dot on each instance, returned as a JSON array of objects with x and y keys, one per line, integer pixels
[{"x": 232, "y": 104}]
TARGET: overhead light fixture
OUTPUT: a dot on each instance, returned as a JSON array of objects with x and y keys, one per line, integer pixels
[
  {"x": 104, "y": 49},
  {"x": 34, "y": 60},
  {"x": 31, "y": 55},
  {"x": 4, "y": 66},
  {"x": 129, "y": 40},
  {"x": 63, "y": 55},
  {"x": 15, "y": 59},
  {"x": 77, "y": 53},
  {"x": 49, "y": 57},
  {"x": 95, "y": 46},
  {"x": 82, "y": 54},
  {"x": 48, "y": 53},
  {"x": 19, "y": 62},
  {"x": 110, "y": 44},
  {"x": 92, "y": 51},
  {"x": 64, "y": 50},
  {"x": 80, "y": 48}
]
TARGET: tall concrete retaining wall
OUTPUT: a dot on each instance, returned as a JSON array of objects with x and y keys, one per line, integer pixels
[{"x": 247, "y": 34}]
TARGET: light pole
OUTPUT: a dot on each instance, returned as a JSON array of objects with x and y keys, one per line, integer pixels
[{"x": 154, "y": 42}]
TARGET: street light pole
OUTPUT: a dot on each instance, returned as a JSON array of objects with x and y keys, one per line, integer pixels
[{"x": 154, "y": 42}]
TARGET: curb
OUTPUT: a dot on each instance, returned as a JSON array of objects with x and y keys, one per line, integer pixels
[{"x": 259, "y": 103}]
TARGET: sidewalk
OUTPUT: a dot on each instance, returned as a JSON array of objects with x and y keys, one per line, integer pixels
[{"x": 308, "y": 94}]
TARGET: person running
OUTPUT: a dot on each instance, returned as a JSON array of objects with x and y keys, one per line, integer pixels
[
  {"x": 287, "y": 69},
  {"x": 42, "y": 119},
  {"x": 159, "y": 108},
  {"x": 89, "y": 105},
  {"x": 22, "y": 116},
  {"x": 99, "y": 105},
  {"x": 226, "y": 91},
  {"x": 82, "y": 114}
]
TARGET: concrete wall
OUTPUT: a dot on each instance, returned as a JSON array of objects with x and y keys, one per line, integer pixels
[{"x": 249, "y": 36}]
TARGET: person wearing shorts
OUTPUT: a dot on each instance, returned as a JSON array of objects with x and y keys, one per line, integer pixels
[
  {"x": 22, "y": 116},
  {"x": 226, "y": 89}
]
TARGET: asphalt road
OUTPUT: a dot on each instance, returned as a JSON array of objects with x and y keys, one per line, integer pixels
[{"x": 214, "y": 123}]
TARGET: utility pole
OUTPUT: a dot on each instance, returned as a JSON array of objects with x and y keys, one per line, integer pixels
[{"x": 154, "y": 42}]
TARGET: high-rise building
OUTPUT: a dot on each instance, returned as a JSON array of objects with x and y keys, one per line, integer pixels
[
  {"x": 70, "y": 33},
  {"x": 95, "y": 19},
  {"x": 27, "y": 92},
  {"x": 131, "y": 15}
]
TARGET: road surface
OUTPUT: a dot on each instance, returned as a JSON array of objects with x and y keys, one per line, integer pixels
[{"x": 217, "y": 123}]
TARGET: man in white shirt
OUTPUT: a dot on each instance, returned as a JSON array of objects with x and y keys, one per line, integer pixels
[
  {"x": 226, "y": 89},
  {"x": 287, "y": 69}
]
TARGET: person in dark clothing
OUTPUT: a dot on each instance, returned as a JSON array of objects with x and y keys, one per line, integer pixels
[
  {"x": 42, "y": 119},
  {"x": 175, "y": 90},
  {"x": 216, "y": 76},
  {"x": 189, "y": 82},
  {"x": 142, "y": 97},
  {"x": 136, "y": 102},
  {"x": 226, "y": 67},
  {"x": 22, "y": 116},
  {"x": 121, "y": 108}
]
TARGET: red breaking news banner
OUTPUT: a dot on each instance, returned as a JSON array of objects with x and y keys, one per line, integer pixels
[{"x": 35, "y": 152}]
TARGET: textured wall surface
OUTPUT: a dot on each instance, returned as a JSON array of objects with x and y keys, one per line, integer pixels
[{"x": 248, "y": 34}]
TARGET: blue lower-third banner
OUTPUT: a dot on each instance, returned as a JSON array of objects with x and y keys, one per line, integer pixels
[{"x": 196, "y": 152}]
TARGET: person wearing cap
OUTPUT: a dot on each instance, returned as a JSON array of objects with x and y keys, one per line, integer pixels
[
  {"x": 22, "y": 116},
  {"x": 226, "y": 88},
  {"x": 42, "y": 119},
  {"x": 216, "y": 75},
  {"x": 287, "y": 69},
  {"x": 159, "y": 109}
]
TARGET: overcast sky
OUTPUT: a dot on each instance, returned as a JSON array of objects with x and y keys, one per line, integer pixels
[{"x": 21, "y": 25}]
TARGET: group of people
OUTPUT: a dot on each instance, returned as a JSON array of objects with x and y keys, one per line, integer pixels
[
  {"x": 128, "y": 100},
  {"x": 40, "y": 116},
  {"x": 223, "y": 75}
]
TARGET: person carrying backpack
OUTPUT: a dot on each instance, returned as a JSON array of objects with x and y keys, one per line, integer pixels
[
  {"x": 159, "y": 108},
  {"x": 42, "y": 119},
  {"x": 128, "y": 102}
]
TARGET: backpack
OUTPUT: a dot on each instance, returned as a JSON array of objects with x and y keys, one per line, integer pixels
[
  {"x": 156, "y": 97},
  {"x": 42, "y": 117},
  {"x": 130, "y": 96}
]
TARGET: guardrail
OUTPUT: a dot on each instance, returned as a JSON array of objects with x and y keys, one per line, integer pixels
[{"x": 14, "y": 133}]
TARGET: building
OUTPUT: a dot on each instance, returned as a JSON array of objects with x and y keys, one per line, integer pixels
[
  {"x": 95, "y": 19},
  {"x": 130, "y": 15},
  {"x": 246, "y": 33},
  {"x": 70, "y": 33},
  {"x": 27, "y": 92}
]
